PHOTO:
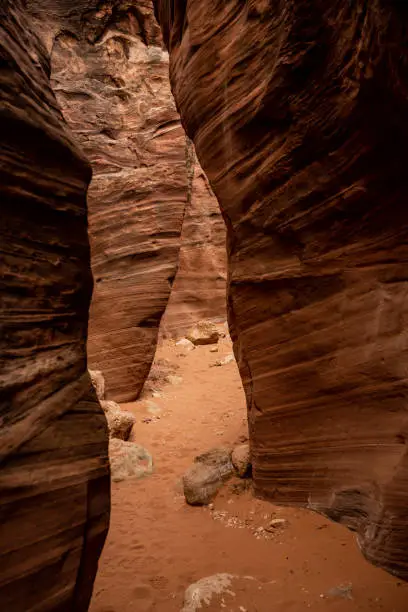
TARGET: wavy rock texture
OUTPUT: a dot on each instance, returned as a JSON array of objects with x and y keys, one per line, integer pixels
[
  {"x": 298, "y": 112},
  {"x": 199, "y": 289},
  {"x": 110, "y": 76},
  {"x": 54, "y": 484}
]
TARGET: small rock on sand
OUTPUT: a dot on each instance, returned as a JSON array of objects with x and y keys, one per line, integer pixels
[
  {"x": 203, "y": 480},
  {"x": 185, "y": 345},
  {"x": 344, "y": 591},
  {"x": 174, "y": 380},
  {"x": 204, "y": 332},
  {"x": 276, "y": 523},
  {"x": 202, "y": 591},
  {"x": 128, "y": 460},
  {"x": 228, "y": 359},
  {"x": 98, "y": 382},
  {"x": 201, "y": 484},
  {"x": 241, "y": 460}
]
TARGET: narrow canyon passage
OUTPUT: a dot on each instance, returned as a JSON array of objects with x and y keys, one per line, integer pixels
[
  {"x": 158, "y": 545},
  {"x": 293, "y": 130}
]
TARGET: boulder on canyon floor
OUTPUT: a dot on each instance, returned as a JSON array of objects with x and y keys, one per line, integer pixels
[
  {"x": 203, "y": 332},
  {"x": 128, "y": 460},
  {"x": 203, "y": 480},
  {"x": 184, "y": 346},
  {"x": 201, "y": 484}
]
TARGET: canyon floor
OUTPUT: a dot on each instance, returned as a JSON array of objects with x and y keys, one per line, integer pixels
[{"x": 158, "y": 545}]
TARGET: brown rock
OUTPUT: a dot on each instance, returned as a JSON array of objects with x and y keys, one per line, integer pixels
[
  {"x": 120, "y": 422},
  {"x": 241, "y": 460},
  {"x": 54, "y": 483},
  {"x": 304, "y": 142},
  {"x": 276, "y": 523},
  {"x": 102, "y": 58},
  {"x": 184, "y": 346},
  {"x": 200, "y": 593},
  {"x": 204, "y": 479},
  {"x": 203, "y": 332},
  {"x": 216, "y": 457},
  {"x": 128, "y": 460},
  {"x": 110, "y": 76},
  {"x": 98, "y": 382},
  {"x": 225, "y": 361},
  {"x": 201, "y": 484}
]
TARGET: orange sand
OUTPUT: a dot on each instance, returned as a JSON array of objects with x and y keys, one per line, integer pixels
[{"x": 157, "y": 545}]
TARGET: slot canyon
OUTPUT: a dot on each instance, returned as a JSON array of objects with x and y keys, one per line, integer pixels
[{"x": 167, "y": 167}]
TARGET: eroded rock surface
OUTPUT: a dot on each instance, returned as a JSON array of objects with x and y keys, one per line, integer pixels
[
  {"x": 200, "y": 593},
  {"x": 120, "y": 422},
  {"x": 98, "y": 382},
  {"x": 298, "y": 113},
  {"x": 203, "y": 332},
  {"x": 201, "y": 484},
  {"x": 109, "y": 73},
  {"x": 199, "y": 289},
  {"x": 110, "y": 76},
  {"x": 54, "y": 484},
  {"x": 241, "y": 460},
  {"x": 203, "y": 480},
  {"x": 129, "y": 460}
]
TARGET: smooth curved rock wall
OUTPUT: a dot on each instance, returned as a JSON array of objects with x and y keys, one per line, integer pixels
[
  {"x": 199, "y": 289},
  {"x": 298, "y": 112},
  {"x": 54, "y": 474}
]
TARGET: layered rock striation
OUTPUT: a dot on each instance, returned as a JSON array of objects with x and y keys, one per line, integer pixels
[
  {"x": 109, "y": 73},
  {"x": 199, "y": 289},
  {"x": 298, "y": 113},
  {"x": 54, "y": 474},
  {"x": 110, "y": 76}
]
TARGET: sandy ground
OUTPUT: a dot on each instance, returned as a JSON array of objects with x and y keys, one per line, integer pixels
[{"x": 157, "y": 545}]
